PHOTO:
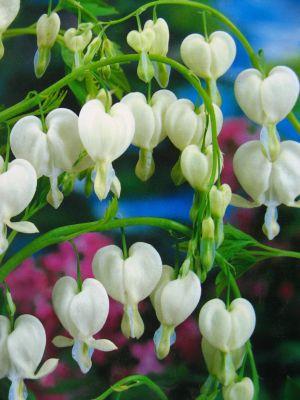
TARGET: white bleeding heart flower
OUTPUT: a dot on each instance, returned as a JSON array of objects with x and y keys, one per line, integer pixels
[
  {"x": 21, "y": 351},
  {"x": 50, "y": 152},
  {"x": 268, "y": 183},
  {"x": 208, "y": 58},
  {"x": 174, "y": 300},
  {"x": 149, "y": 126},
  {"x": 141, "y": 41},
  {"x": 47, "y": 30},
  {"x": 185, "y": 126},
  {"x": 77, "y": 39},
  {"x": 196, "y": 166},
  {"x": 129, "y": 280},
  {"x": 227, "y": 329},
  {"x": 8, "y": 11},
  {"x": 82, "y": 312},
  {"x": 221, "y": 365},
  {"x": 17, "y": 188},
  {"x": 219, "y": 200},
  {"x": 160, "y": 43},
  {"x": 267, "y": 100},
  {"x": 243, "y": 390},
  {"x": 105, "y": 136}
]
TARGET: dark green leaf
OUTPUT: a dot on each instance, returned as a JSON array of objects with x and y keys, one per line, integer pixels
[{"x": 292, "y": 389}]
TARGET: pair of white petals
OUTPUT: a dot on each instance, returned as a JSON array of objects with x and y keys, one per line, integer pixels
[
  {"x": 268, "y": 183},
  {"x": 227, "y": 329},
  {"x": 51, "y": 152},
  {"x": 8, "y": 11},
  {"x": 130, "y": 280},
  {"x": 174, "y": 300},
  {"x": 17, "y": 188},
  {"x": 242, "y": 390},
  {"x": 83, "y": 314},
  {"x": 21, "y": 351},
  {"x": 105, "y": 136}
]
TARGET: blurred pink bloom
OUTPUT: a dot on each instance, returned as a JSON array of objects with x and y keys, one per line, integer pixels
[
  {"x": 147, "y": 361},
  {"x": 286, "y": 291},
  {"x": 188, "y": 341}
]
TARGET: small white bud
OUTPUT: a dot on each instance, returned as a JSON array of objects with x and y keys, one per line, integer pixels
[
  {"x": 47, "y": 30},
  {"x": 78, "y": 39},
  {"x": 219, "y": 200},
  {"x": 243, "y": 390}
]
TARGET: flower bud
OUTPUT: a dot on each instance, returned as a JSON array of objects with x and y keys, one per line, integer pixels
[
  {"x": 8, "y": 11},
  {"x": 185, "y": 126},
  {"x": 77, "y": 39},
  {"x": 207, "y": 248},
  {"x": 196, "y": 166},
  {"x": 47, "y": 30},
  {"x": 243, "y": 390},
  {"x": 21, "y": 349},
  {"x": 208, "y": 58},
  {"x": 219, "y": 200},
  {"x": 105, "y": 136},
  {"x": 267, "y": 100},
  {"x": 92, "y": 50},
  {"x": 83, "y": 313},
  {"x": 268, "y": 183},
  {"x": 174, "y": 300},
  {"x": 227, "y": 330},
  {"x": 222, "y": 365},
  {"x": 129, "y": 280},
  {"x": 145, "y": 69}
]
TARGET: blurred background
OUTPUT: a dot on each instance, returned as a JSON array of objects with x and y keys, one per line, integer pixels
[{"x": 272, "y": 286}]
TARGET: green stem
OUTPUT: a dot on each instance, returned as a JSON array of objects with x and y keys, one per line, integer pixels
[
  {"x": 67, "y": 233},
  {"x": 124, "y": 244},
  {"x": 133, "y": 381},
  {"x": 294, "y": 121},
  {"x": 78, "y": 271}
]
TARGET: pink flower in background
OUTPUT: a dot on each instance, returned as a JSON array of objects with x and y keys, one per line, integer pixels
[
  {"x": 147, "y": 361},
  {"x": 188, "y": 341}
]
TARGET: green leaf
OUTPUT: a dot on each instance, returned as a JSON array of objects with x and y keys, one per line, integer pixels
[
  {"x": 97, "y": 8},
  {"x": 292, "y": 389}
]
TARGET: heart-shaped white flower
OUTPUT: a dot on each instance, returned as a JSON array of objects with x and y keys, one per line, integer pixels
[
  {"x": 83, "y": 314},
  {"x": 50, "y": 153},
  {"x": 77, "y": 39},
  {"x": 160, "y": 44},
  {"x": 196, "y": 166},
  {"x": 227, "y": 330},
  {"x": 21, "y": 351},
  {"x": 268, "y": 183},
  {"x": 184, "y": 126},
  {"x": 141, "y": 41},
  {"x": 174, "y": 300},
  {"x": 243, "y": 390},
  {"x": 8, "y": 11},
  {"x": 208, "y": 58},
  {"x": 17, "y": 188},
  {"x": 267, "y": 100},
  {"x": 105, "y": 136},
  {"x": 129, "y": 280},
  {"x": 149, "y": 126}
]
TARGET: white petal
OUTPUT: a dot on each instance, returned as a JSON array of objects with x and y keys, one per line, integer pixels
[
  {"x": 62, "y": 341},
  {"x": 239, "y": 201},
  {"x": 279, "y": 92},
  {"x": 26, "y": 345},
  {"x": 4, "y": 332},
  {"x": 243, "y": 322},
  {"x": 17, "y": 188},
  {"x": 28, "y": 141},
  {"x": 223, "y": 52},
  {"x": 166, "y": 276},
  {"x": 219, "y": 122},
  {"x": 183, "y": 125},
  {"x": 160, "y": 43},
  {"x": 179, "y": 299},
  {"x": 89, "y": 308},
  {"x": 47, "y": 368},
  {"x": 63, "y": 293},
  {"x": 195, "y": 53},
  {"x": 63, "y": 137},
  {"x": 252, "y": 170},
  {"x": 102, "y": 344},
  {"x": 105, "y": 136},
  {"x": 22, "y": 226},
  {"x": 142, "y": 272},
  {"x": 8, "y": 11},
  {"x": 108, "y": 268},
  {"x": 243, "y": 390},
  {"x": 161, "y": 101}
]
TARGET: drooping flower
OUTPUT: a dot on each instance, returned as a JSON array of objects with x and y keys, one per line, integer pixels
[
  {"x": 209, "y": 58},
  {"x": 269, "y": 183},
  {"x": 185, "y": 125},
  {"x": 221, "y": 365},
  {"x": 51, "y": 149},
  {"x": 174, "y": 300},
  {"x": 82, "y": 312},
  {"x": 17, "y": 188},
  {"x": 130, "y": 280},
  {"x": 227, "y": 329},
  {"x": 105, "y": 136},
  {"x": 242, "y": 390},
  {"x": 21, "y": 351},
  {"x": 47, "y": 29},
  {"x": 8, "y": 11},
  {"x": 149, "y": 126}
]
